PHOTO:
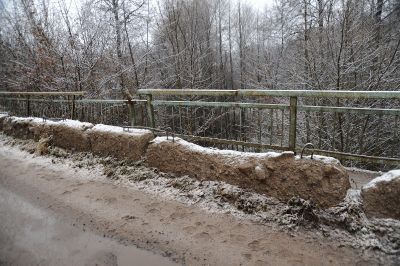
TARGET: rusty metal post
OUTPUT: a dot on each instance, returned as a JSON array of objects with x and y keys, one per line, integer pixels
[
  {"x": 131, "y": 113},
  {"x": 150, "y": 110},
  {"x": 293, "y": 123},
  {"x": 73, "y": 108},
  {"x": 28, "y": 106}
]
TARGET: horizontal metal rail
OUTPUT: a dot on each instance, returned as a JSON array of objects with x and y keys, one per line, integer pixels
[
  {"x": 357, "y": 157},
  {"x": 222, "y": 104},
  {"x": 159, "y": 132},
  {"x": 156, "y": 92},
  {"x": 339, "y": 155},
  {"x": 278, "y": 93},
  {"x": 323, "y": 94},
  {"x": 366, "y": 111},
  {"x": 110, "y": 101},
  {"x": 47, "y": 93},
  {"x": 354, "y": 110},
  {"x": 78, "y": 101},
  {"x": 39, "y": 100}
]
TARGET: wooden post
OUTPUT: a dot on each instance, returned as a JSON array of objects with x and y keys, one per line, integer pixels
[
  {"x": 131, "y": 113},
  {"x": 293, "y": 122},
  {"x": 73, "y": 108},
  {"x": 28, "y": 106},
  {"x": 150, "y": 111}
]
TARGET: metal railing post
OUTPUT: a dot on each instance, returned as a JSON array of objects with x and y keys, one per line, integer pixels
[
  {"x": 131, "y": 113},
  {"x": 28, "y": 106},
  {"x": 150, "y": 110},
  {"x": 73, "y": 108},
  {"x": 293, "y": 123}
]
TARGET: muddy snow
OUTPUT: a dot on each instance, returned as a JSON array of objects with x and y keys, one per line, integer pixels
[{"x": 189, "y": 221}]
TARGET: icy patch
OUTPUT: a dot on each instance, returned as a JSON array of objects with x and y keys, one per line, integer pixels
[
  {"x": 387, "y": 177},
  {"x": 119, "y": 130},
  {"x": 234, "y": 154}
]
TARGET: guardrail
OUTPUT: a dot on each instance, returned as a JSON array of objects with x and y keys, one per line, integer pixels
[
  {"x": 70, "y": 105},
  {"x": 28, "y": 98},
  {"x": 253, "y": 120},
  {"x": 293, "y": 108}
]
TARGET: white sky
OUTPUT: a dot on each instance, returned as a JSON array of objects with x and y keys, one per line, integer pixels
[{"x": 260, "y": 4}]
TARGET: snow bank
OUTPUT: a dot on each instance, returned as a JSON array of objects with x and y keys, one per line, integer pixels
[
  {"x": 67, "y": 134},
  {"x": 279, "y": 175},
  {"x": 113, "y": 141},
  {"x": 17, "y": 127},
  {"x": 74, "y": 135},
  {"x": 381, "y": 196},
  {"x": 3, "y": 116},
  {"x": 386, "y": 177}
]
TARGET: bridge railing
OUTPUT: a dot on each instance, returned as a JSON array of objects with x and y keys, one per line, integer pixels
[
  {"x": 72, "y": 105},
  {"x": 299, "y": 117},
  {"x": 353, "y": 126}
]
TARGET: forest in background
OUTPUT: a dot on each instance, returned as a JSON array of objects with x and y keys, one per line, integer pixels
[
  {"x": 109, "y": 47},
  {"x": 112, "y": 48}
]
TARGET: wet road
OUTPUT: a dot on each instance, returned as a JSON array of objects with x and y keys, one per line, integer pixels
[{"x": 30, "y": 235}]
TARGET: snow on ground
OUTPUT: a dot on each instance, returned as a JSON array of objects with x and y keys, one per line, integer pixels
[{"x": 7, "y": 146}]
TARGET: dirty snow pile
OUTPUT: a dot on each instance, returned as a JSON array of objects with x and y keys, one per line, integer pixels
[{"x": 387, "y": 177}]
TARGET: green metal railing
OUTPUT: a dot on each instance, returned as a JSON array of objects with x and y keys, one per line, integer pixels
[
  {"x": 254, "y": 120},
  {"x": 71, "y": 105},
  {"x": 28, "y": 98},
  {"x": 293, "y": 108}
]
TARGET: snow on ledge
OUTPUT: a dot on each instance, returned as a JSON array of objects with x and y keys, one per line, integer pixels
[
  {"x": 74, "y": 124},
  {"x": 197, "y": 148},
  {"x": 3, "y": 115},
  {"x": 386, "y": 177},
  {"x": 119, "y": 130},
  {"x": 234, "y": 154},
  {"x": 67, "y": 122},
  {"x": 324, "y": 159}
]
